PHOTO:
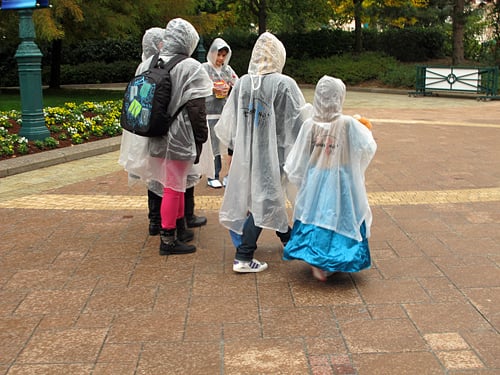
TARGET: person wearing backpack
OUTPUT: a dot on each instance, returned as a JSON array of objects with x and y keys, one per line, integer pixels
[
  {"x": 152, "y": 43},
  {"x": 165, "y": 161}
]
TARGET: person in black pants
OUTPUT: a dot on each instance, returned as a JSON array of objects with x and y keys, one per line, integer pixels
[{"x": 190, "y": 220}]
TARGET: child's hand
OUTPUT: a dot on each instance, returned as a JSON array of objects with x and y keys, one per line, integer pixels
[{"x": 364, "y": 121}]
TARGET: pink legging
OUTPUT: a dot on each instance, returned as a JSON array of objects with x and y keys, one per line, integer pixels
[
  {"x": 172, "y": 208},
  {"x": 172, "y": 204}
]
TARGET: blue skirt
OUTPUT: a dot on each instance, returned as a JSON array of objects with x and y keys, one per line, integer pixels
[{"x": 326, "y": 249}]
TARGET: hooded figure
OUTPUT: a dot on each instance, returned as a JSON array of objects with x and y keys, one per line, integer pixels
[
  {"x": 260, "y": 122},
  {"x": 332, "y": 217},
  {"x": 133, "y": 147},
  {"x": 152, "y": 42},
  {"x": 166, "y": 161},
  {"x": 222, "y": 75}
]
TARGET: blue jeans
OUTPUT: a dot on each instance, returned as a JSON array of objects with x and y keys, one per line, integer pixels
[
  {"x": 249, "y": 239},
  {"x": 245, "y": 251},
  {"x": 217, "y": 166}
]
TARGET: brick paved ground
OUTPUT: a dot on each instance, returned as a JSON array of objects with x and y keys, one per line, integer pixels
[{"x": 84, "y": 291}]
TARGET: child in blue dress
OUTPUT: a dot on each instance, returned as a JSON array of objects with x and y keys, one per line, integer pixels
[{"x": 332, "y": 217}]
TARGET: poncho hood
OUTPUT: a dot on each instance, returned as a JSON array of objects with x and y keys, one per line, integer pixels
[
  {"x": 268, "y": 55},
  {"x": 329, "y": 98},
  {"x": 216, "y": 46},
  {"x": 180, "y": 38},
  {"x": 152, "y": 42}
]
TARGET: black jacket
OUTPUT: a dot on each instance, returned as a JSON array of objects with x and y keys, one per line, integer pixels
[{"x": 198, "y": 118}]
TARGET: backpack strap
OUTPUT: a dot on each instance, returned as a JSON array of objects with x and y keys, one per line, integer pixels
[
  {"x": 168, "y": 67},
  {"x": 173, "y": 62},
  {"x": 154, "y": 60},
  {"x": 170, "y": 64}
]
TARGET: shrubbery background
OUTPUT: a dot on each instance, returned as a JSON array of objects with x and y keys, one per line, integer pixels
[{"x": 389, "y": 56}]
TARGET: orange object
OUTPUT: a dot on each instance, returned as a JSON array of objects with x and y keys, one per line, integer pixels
[
  {"x": 364, "y": 121},
  {"x": 220, "y": 89}
]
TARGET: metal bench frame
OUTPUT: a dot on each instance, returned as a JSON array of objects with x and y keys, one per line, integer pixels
[{"x": 473, "y": 80}]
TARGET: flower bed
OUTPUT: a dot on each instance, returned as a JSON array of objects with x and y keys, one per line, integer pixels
[{"x": 70, "y": 124}]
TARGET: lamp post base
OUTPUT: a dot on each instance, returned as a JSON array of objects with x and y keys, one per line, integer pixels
[{"x": 29, "y": 59}]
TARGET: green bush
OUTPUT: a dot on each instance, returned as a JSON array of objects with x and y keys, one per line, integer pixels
[
  {"x": 309, "y": 56},
  {"x": 239, "y": 61},
  {"x": 353, "y": 69},
  {"x": 105, "y": 51},
  {"x": 236, "y": 38},
  {"x": 318, "y": 43},
  {"x": 412, "y": 44},
  {"x": 95, "y": 72},
  {"x": 400, "y": 76}
]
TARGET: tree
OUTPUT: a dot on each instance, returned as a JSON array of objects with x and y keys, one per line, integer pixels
[
  {"x": 458, "y": 32},
  {"x": 494, "y": 21},
  {"x": 358, "y": 13},
  {"x": 74, "y": 20},
  {"x": 276, "y": 16},
  {"x": 259, "y": 9},
  {"x": 299, "y": 15},
  {"x": 50, "y": 26}
]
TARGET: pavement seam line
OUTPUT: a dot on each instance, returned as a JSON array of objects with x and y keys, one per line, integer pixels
[{"x": 136, "y": 202}]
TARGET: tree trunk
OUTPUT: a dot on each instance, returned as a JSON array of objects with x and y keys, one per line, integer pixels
[
  {"x": 458, "y": 32},
  {"x": 358, "y": 41},
  {"x": 55, "y": 64},
  {"x": 262, "y": 16}
]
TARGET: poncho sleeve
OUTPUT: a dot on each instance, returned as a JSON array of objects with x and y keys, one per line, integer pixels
[
  {"x": 225, "y": 129},
  {"x": 298, "y": 158}
]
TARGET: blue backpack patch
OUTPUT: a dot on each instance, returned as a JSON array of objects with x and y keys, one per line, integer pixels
[{"x": 146, "y": 100}]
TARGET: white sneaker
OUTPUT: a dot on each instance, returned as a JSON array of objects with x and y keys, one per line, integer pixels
[
  {"x": 216, "y": 184},
  {"x": 252, "y": 266},
  {"x": 224, "y": 181}
]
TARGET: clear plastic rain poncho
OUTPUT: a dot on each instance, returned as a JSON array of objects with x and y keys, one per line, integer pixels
[
  {"x": 328, "y": 164},
  {"x": 260, "y": 122},
  {"x": 224, "y": 73},
  {"x": 153, "y": 163},
  {"x": 132, "y": 145}
]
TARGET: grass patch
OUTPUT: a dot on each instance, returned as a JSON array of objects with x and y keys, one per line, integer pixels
[{"x": 10, "y": 99}]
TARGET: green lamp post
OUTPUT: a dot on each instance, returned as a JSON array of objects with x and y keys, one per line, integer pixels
[
  {"x": 201, "y": 52},
  {"x": 29, "y": 60}
]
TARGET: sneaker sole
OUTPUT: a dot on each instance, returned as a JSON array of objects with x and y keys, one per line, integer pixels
[
  {"x": 215, "y": 185},
  {"x": 260, "y": 269}
]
